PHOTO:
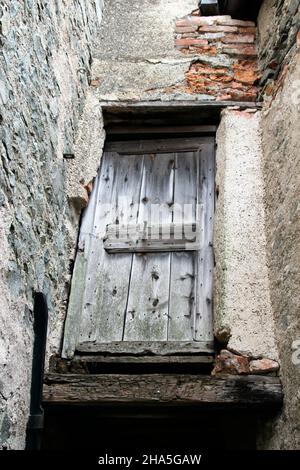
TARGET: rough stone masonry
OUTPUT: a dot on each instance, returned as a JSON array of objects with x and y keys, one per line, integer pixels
[{"x": 45, "y": 63}]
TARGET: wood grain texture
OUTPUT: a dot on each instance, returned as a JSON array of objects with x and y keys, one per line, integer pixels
[
  {"x": 204, "y": 290},
  {"x": 126, "y": 129},
  {"x": 163, "y": 389},
  {"x": 155, "y": 146},
  {"x": 148, "y": 302},
  {"x": 113, "y": 275},
  {"x": 138, "y": 238},
  {"x": 183, "y": 265},
  {"x": 147, "y": 296},
  {"x": 160, "y": 348}
]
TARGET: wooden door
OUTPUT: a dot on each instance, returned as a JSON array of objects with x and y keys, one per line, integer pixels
[{"x": 143, "y": 273}]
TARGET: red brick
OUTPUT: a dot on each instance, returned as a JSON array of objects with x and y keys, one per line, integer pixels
[
  {"x": 206, "y": 50},
  {"x": 238, "y": 39},
  {"x": 237, "y": 86},
  {"x": 183, "y": 23},
  {"x": 249, "y": 64},
  {"x": 189, "y": 35},
  {"x": 263, "y": 366},
  {"x": 232, "y": 22},
  {"x": 224, "y": 97},
  {"x": 206, "y": 70},
  {"x": 239, "y": 50},
  {"x": 191, "y": 42},
  {"x": 237, "y": 95},
  {"x": 221, "y": 78},
  {"x": 247, "y": 76},
  {"x": 185, "y": 29},
  {"x": 228, "y": 363},
  {"x": 218, "y": 29},
  {"x": 247, "y": 31}
]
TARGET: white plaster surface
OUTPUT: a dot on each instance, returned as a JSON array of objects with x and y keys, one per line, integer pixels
[{"x": 243, "y": 313}]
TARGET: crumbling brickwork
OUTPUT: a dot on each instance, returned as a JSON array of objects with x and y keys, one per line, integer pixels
[{"x": 227, "y": 67}]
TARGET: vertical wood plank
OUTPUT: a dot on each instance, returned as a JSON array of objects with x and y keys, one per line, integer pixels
[
  {"x": 148, "y": 302},
  {"x": 93, "y": 225},
  {"x": 76, "y": 301},
  {"x": 204, "y": 313},
  {"x": 108, "y": 276},
  {"x": 72, "y": 325},
  {"x": 183, "y": 268}
]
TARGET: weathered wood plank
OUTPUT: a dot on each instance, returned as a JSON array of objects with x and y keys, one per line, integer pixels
[
  {"x": 204, "y": 291},
  {"x": 183, "y": 267},
  {"x": 138, "y": 238},
  {"x": 182, "y": 297},
  {"x": 89, "y": 244},
  {"x": 113, "y": 274},
  {"x": 71, "y": 330},
  {"x": 108, "y": 359},
  {"x": 160, "y": 348},
  {"x": 163, "y": 389},
  {"x": 75, "y": 315},
  {"x": 155, "y": 146},
  {"x": 148, "y": 302}
]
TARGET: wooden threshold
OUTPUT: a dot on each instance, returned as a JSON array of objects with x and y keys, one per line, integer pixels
[
  {"x": 159, "y": 348},
  {"x": 255, "y": 392}
]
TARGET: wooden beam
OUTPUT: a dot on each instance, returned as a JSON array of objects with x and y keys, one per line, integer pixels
[
  {"x": 144, "y": 348},
  {"x": 163, "y": 389},
  {"x": 143, "y": 146},
  {"x": 148, "y": 129}
]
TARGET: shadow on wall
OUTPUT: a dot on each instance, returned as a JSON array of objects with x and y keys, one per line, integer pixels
[{"x": 240, "y": 9}]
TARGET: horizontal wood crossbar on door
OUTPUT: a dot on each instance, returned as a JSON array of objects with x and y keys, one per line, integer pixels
[{"x": 155, "y": 238}]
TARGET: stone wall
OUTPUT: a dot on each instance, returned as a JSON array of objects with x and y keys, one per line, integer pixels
[
  {"x": 45, "y": 61},
  {"x": 278, "y": 26}
]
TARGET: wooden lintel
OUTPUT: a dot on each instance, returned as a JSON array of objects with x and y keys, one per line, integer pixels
[
  {"x": 163, "y": 389},
  {"x": 148, "y": 129}
]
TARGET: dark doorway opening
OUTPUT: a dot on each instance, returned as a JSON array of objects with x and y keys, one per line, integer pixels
[{"x": 144, "y": 430}]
